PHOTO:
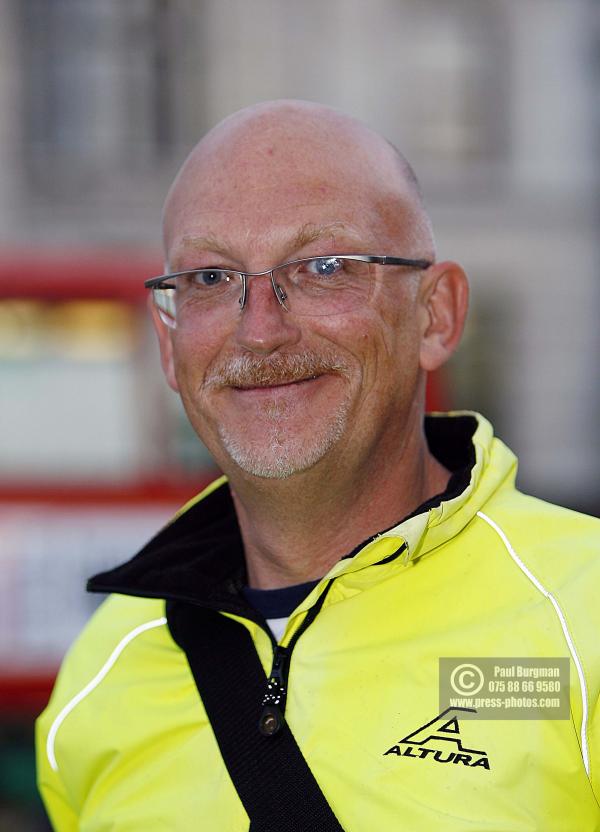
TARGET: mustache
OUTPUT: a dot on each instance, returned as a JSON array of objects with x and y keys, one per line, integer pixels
[{"x": 267, "y": 371}]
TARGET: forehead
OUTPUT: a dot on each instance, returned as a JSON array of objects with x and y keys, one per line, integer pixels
[
  {"x": 282, "y": 217},
  {"x": 278, "y": 185}
]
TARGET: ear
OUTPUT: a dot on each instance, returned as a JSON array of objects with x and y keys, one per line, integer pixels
[
  {"x": 444, "y": 304},
  {"x": 165, "y": 344}
]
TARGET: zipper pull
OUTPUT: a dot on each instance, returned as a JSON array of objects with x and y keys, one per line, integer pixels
[{"x": 273, "y": 704}]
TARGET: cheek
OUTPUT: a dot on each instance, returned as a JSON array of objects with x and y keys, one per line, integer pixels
[
  {"x": 191, "y": 358},
  {"x": 400, "y": 328},
  {"x": 390, "y": 350},
  {"x": 368, "y": 340}
]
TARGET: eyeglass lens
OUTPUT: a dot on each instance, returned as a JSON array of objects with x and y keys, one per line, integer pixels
[{"x": 319, "y": 286}]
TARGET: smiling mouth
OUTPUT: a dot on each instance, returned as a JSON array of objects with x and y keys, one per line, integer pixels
[{"x": 271, "y": 385}]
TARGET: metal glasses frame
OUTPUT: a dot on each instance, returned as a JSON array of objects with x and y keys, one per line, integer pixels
[{"x": 379, "y": 259}]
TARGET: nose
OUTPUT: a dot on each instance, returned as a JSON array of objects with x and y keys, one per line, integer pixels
[{"x": 264, "y": 325}]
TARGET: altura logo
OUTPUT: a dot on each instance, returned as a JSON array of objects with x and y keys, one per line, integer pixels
[{"x": 440, "y": 741}]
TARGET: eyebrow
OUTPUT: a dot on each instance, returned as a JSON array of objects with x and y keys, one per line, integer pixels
[
  {"x": 207, "y": 242},
  {"x": 310, "y": 232},
  {"x": 307, "y": 234}
]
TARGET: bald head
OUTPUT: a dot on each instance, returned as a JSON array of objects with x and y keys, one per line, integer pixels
[{"x": 276, "y": 155}]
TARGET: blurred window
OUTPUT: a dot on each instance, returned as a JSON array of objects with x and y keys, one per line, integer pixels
[
  {"x": 98, "y": 87},
  {"x": 67, "y": 380},
  {"x": 461, "y": 105}
]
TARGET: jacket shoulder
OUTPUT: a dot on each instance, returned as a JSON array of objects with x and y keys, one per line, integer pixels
[
  {"x": 117, "y": 621},
  {"x": 560, "y": 547},
  {"x": 552, "y": 532}
]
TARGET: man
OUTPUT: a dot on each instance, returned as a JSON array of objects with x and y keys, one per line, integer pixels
[{"x": 367, "y": 541}]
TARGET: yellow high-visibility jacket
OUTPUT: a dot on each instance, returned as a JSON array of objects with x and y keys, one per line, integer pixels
[{"x": 125, "y": 744}]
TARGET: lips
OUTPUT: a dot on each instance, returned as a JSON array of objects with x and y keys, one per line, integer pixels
[{"x": 284, "y": 382}]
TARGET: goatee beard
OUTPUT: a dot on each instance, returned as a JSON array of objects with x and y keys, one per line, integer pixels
[{"x": 283, "y": 449}]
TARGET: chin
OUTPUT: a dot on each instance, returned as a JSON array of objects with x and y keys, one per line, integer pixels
[{"x": 279, "y": 455}]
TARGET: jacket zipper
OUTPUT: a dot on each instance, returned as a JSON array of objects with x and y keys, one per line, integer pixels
[{"x": 272, "y": 718}]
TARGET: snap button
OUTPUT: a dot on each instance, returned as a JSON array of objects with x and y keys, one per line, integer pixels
[{"x": 271, "y": 721}]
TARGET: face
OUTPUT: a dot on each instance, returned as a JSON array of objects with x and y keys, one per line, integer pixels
[{"x": 270, "y": 393}]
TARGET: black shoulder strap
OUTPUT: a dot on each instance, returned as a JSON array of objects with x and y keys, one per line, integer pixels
[{"x": 272, "y": 778}]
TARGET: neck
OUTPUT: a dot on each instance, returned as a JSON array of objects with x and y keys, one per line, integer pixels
[{"x": 294, "y": 530}]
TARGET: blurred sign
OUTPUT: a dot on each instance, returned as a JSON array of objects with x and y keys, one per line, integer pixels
[{"x": 46, "y": 555}]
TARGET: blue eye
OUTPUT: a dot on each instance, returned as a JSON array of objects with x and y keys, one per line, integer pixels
[
  {"x": 208, "y": 277},
  {"x": 325, "y": 266}
]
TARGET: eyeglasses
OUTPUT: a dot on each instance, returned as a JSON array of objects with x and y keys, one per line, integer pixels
[{"x": 313, "y": 286}]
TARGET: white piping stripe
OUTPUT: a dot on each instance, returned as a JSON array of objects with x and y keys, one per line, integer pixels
[
  {"x": 157, "y": 622},
  {"x": 565, "y": 629}
]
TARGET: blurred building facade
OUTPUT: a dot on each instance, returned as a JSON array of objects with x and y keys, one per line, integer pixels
[{"x": 495, "y": 104}]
